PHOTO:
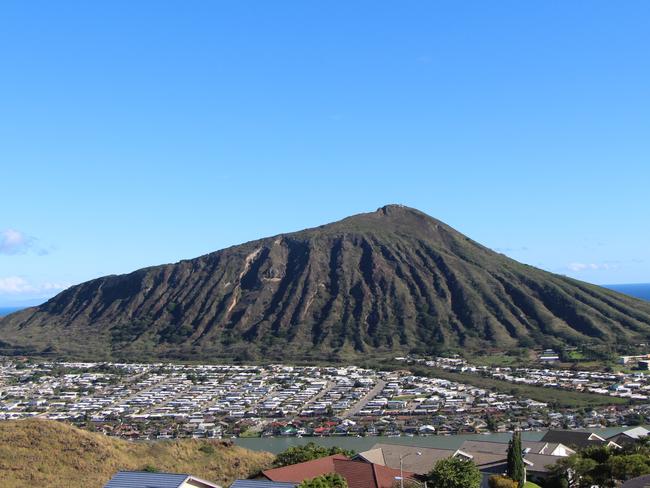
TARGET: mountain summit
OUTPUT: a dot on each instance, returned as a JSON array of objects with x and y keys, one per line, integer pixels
[{"x": 391, "y": 281}]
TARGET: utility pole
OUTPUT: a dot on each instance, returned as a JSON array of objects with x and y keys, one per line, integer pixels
[{"x": 401, "y": 466}]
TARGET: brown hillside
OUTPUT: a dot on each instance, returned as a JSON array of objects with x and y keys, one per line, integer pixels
[{"x": 56, "y": 455}]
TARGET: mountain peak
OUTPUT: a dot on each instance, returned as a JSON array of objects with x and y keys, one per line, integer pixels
[
  {"x": 387, "y": 282},
  {"x": 392, "y": 219},
  {"x": 399, "y": 211},
  {"x": 394, "y": 207}
]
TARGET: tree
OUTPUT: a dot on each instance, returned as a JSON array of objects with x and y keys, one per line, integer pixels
[
  {"x": 629, "y": 466},
  {"x": 491, "y": 423},
  {"x": 454, "y": 472},
  {"x": 308, "y": 452},
  {"x": 601, "y": 466},
  {"x": 573, "y": 471},
  {"x": 516, "y": 468},
  {"x": 330, "y": 480}
]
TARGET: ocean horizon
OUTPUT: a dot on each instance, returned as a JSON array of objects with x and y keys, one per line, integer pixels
[{"x": 638, "y": 290}]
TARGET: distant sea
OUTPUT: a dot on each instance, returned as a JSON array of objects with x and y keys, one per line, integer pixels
[
  {"x": 7, "y": 310},
  {"x": 639, "y": 290}
]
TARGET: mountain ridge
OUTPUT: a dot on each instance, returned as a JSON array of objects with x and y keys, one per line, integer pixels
[{"x": 379, "y": 283}]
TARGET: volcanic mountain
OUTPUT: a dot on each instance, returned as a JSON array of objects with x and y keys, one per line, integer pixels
[{"x": 392, "y": 281}]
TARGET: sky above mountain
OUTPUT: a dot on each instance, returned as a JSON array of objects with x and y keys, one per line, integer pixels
[{"x": 139, "y": 133}]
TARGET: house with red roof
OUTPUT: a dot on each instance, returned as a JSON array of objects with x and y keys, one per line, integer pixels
[{"x": 358, "y": 474}]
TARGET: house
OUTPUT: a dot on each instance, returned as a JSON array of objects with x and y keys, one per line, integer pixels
[
  {"x": 489, "y": 457},
  {"x": 389, "y": 455},
  {"x": 629, "y": 436},
  {"x": 555, "y": 449},
  {"x": 549, "y": 355},
  {"x": 143, "y": 479},
  {"x": 577, "y": 439},
  {"x": 357, "y": 473}
]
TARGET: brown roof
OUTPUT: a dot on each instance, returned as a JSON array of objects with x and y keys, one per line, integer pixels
[
  {"x": 358, "y": 474},
  {"x": 367, "y": 475},
  {"x": 309, "y": 469}
]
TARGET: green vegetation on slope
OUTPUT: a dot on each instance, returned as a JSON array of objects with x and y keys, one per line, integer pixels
[
  {"x": 56, "y": 455},
  {"x": 379, "y": 284}
]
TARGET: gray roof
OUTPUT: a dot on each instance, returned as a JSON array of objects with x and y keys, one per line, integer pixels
[
  {"x": 261, "y": 484},
  {"x": 415, "y": 464},
  {"x": 640, "y": 482},
  {"x": 502, "y": 447},
  {"x": 488, "y": 456},
  {"x": 573, "y": 438},
  {"x": 540, "y": 461},
  {"x": 634, "y": 433},
  {"x": 144, "y": 479}
]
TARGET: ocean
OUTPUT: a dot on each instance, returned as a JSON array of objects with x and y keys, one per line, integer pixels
[
  {"x": 639, "y": 290},
  {"x": 7, "y": 310}
]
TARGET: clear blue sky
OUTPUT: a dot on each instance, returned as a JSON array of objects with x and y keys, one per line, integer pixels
[{"x": 139, "y": 133}]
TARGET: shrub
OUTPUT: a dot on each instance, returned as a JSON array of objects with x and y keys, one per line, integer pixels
[
  {"x": 207, "y": 449},
  {"x": 498, "y": 481},
  {"x": 330, "y": 480}
]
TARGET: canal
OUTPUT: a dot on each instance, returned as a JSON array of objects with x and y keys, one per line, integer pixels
[{"x": 358, "y": 444}]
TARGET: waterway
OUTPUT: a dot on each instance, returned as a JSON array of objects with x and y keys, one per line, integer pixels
[{"x": 358, "y": 444}]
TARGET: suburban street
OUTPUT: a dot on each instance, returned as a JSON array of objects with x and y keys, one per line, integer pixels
[{"x": 362, "y": 403}]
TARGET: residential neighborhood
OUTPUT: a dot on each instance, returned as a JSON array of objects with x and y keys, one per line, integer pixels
[
  {"x": 387, "y": 465},
  {"x": 158, "y": 401},
  {"x": 635, "y": 386}
]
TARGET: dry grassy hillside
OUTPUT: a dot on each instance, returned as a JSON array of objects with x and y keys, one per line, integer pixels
[{"x": 56, "y": 455}]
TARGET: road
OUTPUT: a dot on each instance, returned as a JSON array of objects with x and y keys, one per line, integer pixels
[{"x": 352, "y": 411}]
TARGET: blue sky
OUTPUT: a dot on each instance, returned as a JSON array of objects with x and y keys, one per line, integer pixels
[{"x": 139, "y": 133}]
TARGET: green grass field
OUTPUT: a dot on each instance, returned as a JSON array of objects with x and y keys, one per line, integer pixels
[{"x": 577, "y": 356}]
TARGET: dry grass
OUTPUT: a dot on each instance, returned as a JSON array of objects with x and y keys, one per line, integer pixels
[{"x": 56, "y": 455}]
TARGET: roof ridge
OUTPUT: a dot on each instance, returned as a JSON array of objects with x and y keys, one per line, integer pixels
[{"x": 374, "y": 474}]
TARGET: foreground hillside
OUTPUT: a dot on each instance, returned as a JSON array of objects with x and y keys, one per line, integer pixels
[
  {"x": 381, "y": 283},
  {"x": 56, "y": 455}
]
